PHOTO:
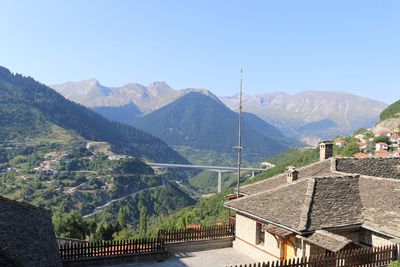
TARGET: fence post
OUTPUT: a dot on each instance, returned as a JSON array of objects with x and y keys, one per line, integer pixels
[{"x": 397, "y": 251}]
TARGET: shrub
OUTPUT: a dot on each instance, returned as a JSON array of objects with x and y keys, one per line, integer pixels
[{"x": 394, "y": 264}]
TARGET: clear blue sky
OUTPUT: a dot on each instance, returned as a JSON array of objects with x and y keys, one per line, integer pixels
[{"x": 288, "y": 46}]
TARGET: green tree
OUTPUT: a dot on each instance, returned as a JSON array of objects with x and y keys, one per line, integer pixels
[
  {"x": 369, "y": 135},
  {"x": 105, "y": 231},
  {"x": 69, "y": 225},
  {"x": 143, "y": 221},
  {"x": 350, "y": 149},
  {"x": 123, "y": 214},
  {"x": 381, "y": 138}
]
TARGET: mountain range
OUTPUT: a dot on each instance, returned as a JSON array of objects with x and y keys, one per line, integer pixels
[
  {"x": 189, "y": 119},
  {"x": 92, "y": 94},
  {"x": 303, "y": 115},
  {"x": 29, "y": 109}
]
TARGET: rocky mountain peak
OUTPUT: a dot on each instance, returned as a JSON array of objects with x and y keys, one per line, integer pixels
[{"x": 159, "y": 88}]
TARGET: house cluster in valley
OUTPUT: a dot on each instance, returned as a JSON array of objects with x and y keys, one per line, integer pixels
[
  {"x": 383, "y": 143},
  {"x": 329, "y": 206}
]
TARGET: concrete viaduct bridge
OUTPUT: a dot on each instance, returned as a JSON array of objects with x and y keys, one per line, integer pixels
[{"x": 218, "y": 169}]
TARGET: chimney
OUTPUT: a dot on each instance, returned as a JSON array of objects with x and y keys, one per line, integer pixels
[
  {"x": 292, "y": 175},
  {"x": 325, "y": 150}
]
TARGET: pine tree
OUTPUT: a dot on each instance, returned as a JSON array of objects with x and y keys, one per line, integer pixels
[{"x": 143, "y": 221}]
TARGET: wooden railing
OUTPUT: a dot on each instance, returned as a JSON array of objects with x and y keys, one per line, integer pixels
[
  {"x": 371, "y": 257},
  {"x": 207, "y": 232},
  {"x": 110, "y": 248}
]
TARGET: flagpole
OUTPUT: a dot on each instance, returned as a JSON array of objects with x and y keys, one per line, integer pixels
[{"x": 239, "y": 147}]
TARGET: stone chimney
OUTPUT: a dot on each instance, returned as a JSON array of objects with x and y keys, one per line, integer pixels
[
  {"x": 325, "y": 150},
  {"x": 292, "y": 175}
]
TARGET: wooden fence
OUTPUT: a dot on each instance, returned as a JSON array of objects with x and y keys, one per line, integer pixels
[
  {"x": 365, "y": 257},
  {"x": 205, "y": 232},
  {"x": 110, "y": 248}
]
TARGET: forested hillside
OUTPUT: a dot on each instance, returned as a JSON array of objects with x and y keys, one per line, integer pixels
[
  {"x": 392, "y": 111},
  {"x": 199, "y": 121},
  {"x": 63, "y": 157},
  {"x": 28, "y": 109}
]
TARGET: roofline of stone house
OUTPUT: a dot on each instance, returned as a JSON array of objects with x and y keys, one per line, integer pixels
[
  {"x": 264, "y": 220},
  {"x": 378, "y": 231},
  {"x": 369, "y": 157},
  {"x": 306, "y": 207},
  {"x": 298, "y": 169},
  {"x": 365, "y": 176},
  {"x": 25, "y": 204},
  {"x": 338, "y": 227},
  {"x": 344, "y": 226}
]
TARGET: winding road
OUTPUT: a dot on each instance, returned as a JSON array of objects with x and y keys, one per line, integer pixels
[{"x": 99, "y": 208}]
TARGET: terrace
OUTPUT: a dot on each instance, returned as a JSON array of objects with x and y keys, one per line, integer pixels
[
  {"x": 215, "y": 257},
  {"x": 205, "y": 246}
]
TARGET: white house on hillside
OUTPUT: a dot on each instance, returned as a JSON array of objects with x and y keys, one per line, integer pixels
[{"x": 381, "y": 146}]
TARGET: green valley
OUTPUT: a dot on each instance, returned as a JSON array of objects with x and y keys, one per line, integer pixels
[{"x": 63, "y": 157}]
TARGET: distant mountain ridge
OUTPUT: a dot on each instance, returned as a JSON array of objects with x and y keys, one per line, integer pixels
[
  {"x": 30, "y": 109},
  {"x": 92, "y": 94},
  {"x": 198, "y": 121},
  {"x": 290, "y": 113}
]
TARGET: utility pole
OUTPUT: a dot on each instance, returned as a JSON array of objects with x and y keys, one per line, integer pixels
[{"x": 239, "y": 147}]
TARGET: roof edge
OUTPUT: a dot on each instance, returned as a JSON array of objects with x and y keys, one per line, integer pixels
[
  {"x": 378, "y": 231},
  {"x": 309, "y": 198},
  {"x": 25, "y": 204},
  {"x": 264, "y": 220},
  {"x": 277, "y": 175}
]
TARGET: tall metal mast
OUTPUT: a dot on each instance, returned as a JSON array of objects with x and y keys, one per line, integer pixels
[{"x": 239, "y": 147}]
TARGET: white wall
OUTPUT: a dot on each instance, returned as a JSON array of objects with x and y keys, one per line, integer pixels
[
  {"x": 246, "y": 241},
  {"x": 246, "y": 229}
]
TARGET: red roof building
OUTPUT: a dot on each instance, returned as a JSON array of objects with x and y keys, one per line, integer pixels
[
  {"x": 382, "y": 154},
  {"x": 360, "y": 155}
]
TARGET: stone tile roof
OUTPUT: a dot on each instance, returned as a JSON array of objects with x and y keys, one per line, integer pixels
[
  {"x": 379, "y": 167},
  {"x": 336, "y": 202},
  {"x": 27, "y": 236},
  {"x": 380, "y": 198},
  {"x": 279, "y": 205},
  {"x": 322, "y": 168},
  {"x": 341, "y": 198},
  {"x": 306, "y": 205},
  {"x": 327, "y": 240},
  {"x": 316, "y": 203},
  {"x": 6, "y": 261}
]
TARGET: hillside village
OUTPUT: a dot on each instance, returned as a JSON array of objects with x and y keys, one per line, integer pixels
[{"x": 369, "y": 143}]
